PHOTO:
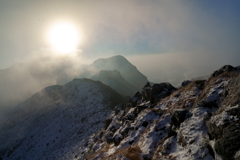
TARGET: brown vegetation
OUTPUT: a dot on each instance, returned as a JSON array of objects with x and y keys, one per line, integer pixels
[{"x": 132, "y": 153}]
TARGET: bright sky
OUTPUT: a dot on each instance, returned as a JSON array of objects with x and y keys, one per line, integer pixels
[{"x": 129, "y": 28}]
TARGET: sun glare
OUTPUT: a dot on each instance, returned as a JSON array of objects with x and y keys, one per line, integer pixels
[{"x": 64, "y": 37}]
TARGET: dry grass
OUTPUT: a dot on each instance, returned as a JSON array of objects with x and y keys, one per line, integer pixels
[
  {"x": 228, "y": 74},
  {"x": 172, "y": 157},
  {"x": 182, "y": 141},
  {"x": 160, "y": 149},
  {"x": 132, "y": 153}
]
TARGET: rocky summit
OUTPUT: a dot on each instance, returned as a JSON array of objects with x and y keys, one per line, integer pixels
[{"x": 198, "y": 121}]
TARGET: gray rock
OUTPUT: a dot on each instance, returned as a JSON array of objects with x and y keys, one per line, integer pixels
[
  {"x": 178, "y": 116},
  {"x": 226, "y": 68},
  {"x": 229, "y": 143},
  {"x": 185, "y": 83}
]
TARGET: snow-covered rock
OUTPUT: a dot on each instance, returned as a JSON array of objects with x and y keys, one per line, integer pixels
[{"x": 199, "y": 121}]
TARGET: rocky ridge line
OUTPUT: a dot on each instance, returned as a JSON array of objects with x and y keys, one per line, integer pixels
[{"x": 200, "y": 120}]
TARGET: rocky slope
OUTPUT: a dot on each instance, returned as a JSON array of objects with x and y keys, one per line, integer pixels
[
  {"x": 52, "y": 123},
  {"x": 199, "y": 121},
  {"x": 115, "y": 80}
]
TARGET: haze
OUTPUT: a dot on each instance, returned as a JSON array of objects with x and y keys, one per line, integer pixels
[{"x": 166, "y": 40}]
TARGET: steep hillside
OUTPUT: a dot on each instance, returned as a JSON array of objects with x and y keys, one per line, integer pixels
[
  {"x": 199, "y": 121},
  {"x": 52, "y": 123},
  {"x": 120, "y": 63},
  {"x": 115, "y": 80}
]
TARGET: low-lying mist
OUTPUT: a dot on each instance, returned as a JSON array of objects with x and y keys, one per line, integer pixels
[
  {"x": 38, "y": 71},
  {"x": 43, "y": 69},
  {"x": 177, "y": 67}
]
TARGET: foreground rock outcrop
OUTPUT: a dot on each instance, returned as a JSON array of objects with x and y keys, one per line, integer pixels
[{"x": 197, "y": 121}]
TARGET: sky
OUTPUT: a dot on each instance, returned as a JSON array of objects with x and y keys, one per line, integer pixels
[{"x": 165, "y": 39}]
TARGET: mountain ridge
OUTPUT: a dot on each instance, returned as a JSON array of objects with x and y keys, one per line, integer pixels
[
  {"x": 200, "y": 120},
  {"x": 55, "y": 120}
]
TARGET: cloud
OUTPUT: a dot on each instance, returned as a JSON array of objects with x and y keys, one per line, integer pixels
[
  {"x": 166, "y": 40},
  {"x": 39, "y": 70},
  {"x": 177, "y": 67},
  {"x": 123, "y": 27}
]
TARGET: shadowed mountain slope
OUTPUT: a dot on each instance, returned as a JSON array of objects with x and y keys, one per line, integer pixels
[
  {"x": 115, "y": 80},
  {"x": 128, "y": 71},
  {"x": 52, "y": 123}
]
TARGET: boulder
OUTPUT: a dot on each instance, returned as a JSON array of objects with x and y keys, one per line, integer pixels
[
  {"x": 109, "y": 138},
  {"x": 118, "y": 108},
  {"x": 107, "y": 122},
  {"x": 160, "y": 91},
  {"x": 130, "y": 117},
  {"x": 178, "y": 116},
  {"x": 229, "y": 143},
  {"x": 137, "y": 96},
  {"x": 185, "y": 83},
  {"x": 117, "y": 139},
  {"x": 146, "y": 92},
  {"x": 226, "y": 68},
  {"x": 141, "y": 107},
  {"x": 126, "y": 129}
]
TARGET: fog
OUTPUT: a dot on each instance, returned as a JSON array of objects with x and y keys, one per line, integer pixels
[
  {"x": 166, "y": 40},
  {"x": 177, "y": 67},
  {"x": 123, "y": 27},
  {"x": 38, "y": 71}
]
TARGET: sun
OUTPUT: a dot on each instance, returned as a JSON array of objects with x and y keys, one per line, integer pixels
[{"x": 64, "y": 37}]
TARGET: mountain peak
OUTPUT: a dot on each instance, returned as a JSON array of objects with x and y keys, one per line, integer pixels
[{"x": 127, "y": 70}]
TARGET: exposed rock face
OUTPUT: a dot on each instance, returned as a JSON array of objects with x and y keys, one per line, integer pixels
[
  {"x": 52, "y": 123},
  {"x": 199, "y": 121},
  {"x": 184, "y": 83},
  {"x": 146, "y": 92},
  {"x": 160, "y": 91},
  {"x": 178, "y": 116},
  {"x": 226, "y": 68},
  {"x": 135, "y": 99}
]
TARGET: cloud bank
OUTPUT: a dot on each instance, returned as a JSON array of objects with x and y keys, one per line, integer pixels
[
  {"x": 166, "y": 40},
  {"x": 123, "y": 27}
]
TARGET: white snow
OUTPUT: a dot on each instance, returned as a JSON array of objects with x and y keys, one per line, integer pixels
[
  {"x": 56, "y": 120},
  {"x": 224, "y": 117}
]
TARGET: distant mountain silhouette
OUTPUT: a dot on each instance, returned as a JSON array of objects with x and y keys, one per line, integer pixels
[
  {"x": 115, "y": 80},
  {"x": 128, "y": 71}
]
